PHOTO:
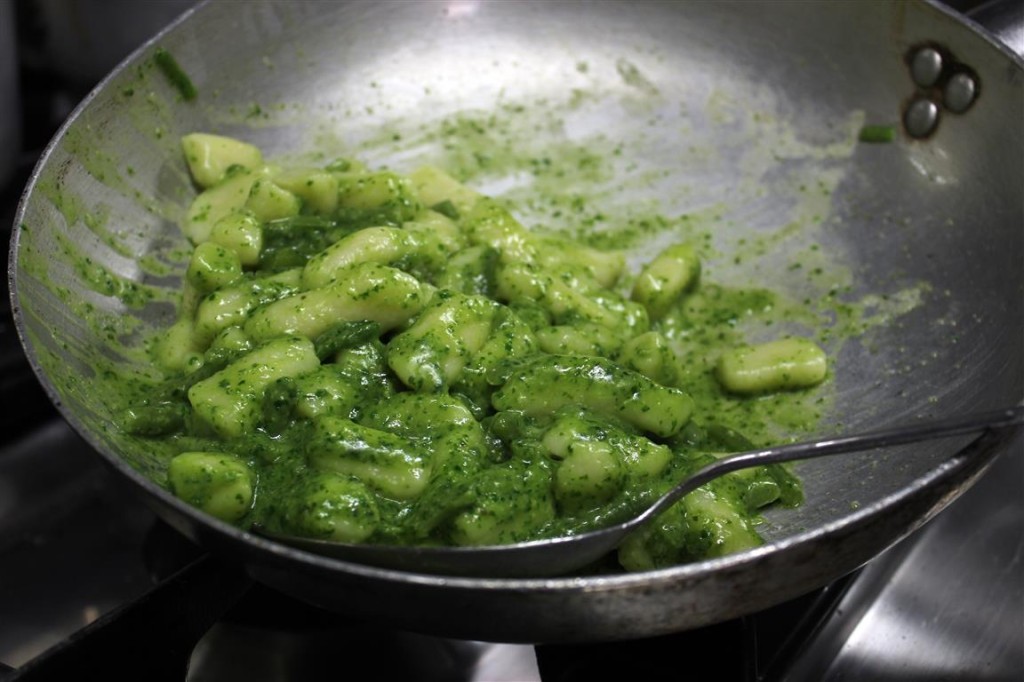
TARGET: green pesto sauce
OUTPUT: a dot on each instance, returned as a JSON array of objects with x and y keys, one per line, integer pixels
[
  {"x": 507, "y": 475},
  {"x": 756, "y": 284}
]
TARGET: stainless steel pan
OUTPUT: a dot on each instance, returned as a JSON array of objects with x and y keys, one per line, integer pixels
[{"x": 730, "y": 113}]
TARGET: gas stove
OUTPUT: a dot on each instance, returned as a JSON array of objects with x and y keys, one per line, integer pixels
[{"x": 93, "y": 583}]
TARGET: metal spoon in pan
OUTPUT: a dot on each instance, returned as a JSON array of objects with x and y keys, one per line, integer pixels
[{"x": 563, "y": 555}]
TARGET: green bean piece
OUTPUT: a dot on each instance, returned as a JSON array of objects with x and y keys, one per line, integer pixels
[
  {"x": 791, "y": 493},
  {"x": 290, "y": 242},
  {"x": 727, "y": 438},
  {"x": 765, "y": 485},
  {"x": 213, "y": 363},
  {"x": 877, "y": 134},
  {"x": 693, "y": 435},
  {"x": 169, "y": 66},
  {"x": 345, "y": 335},
  {"x": 155, "y": 420}
]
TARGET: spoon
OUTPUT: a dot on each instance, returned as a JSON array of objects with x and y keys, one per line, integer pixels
[{"x": 563, "y": 555}]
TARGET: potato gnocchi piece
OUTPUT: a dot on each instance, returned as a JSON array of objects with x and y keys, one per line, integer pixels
[
  {"x": 216, "y": 482},
  {"x": 229, "y": 401},
  {"x": 367, "y": 291},
  {"x": 780, "y": 365},
  {"x": 387, "y": 462}
]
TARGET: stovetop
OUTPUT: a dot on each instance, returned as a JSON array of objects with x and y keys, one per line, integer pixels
[{"x": 82, "y": 560}]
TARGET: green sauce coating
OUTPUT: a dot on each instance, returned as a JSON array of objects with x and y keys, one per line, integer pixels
[{"x": 359, "y": 367}]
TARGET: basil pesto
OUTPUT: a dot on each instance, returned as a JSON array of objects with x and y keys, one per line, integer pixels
[{"x": 368, "y": 356}]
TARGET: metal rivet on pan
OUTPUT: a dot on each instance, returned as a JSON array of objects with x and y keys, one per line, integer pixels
[
  {"x": 959, "y": 94},
  {"x": 926, "y": 66},
  {"x": 921, "y": 117}
]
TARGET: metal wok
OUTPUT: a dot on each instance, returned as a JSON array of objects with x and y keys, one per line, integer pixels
[{"x": 727, "y": 113}]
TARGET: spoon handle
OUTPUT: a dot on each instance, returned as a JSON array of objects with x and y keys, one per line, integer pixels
[{"x": 900, "y": 435}]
